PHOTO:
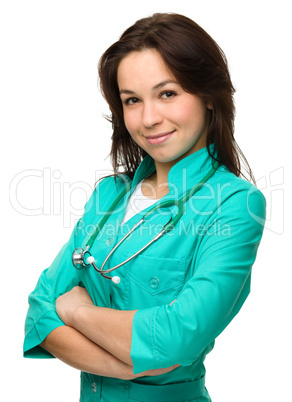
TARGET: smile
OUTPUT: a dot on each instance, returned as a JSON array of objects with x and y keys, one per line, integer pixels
[{"x": 159, "y": 138}]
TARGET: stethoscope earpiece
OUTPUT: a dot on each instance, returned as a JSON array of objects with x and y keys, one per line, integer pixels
[
  {"x": 90, "y": 260},
  {"x": 116, "y": 279}
]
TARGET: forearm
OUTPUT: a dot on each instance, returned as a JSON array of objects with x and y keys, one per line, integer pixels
[
  {"x": 74, "y": 349},
  {"x": 111, "y": 329},
  {"x": 108, "y": 328}
]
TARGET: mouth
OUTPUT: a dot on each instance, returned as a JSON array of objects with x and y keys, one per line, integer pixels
[{"x": 159, "y": 138}]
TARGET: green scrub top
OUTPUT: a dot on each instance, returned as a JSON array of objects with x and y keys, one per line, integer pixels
[{"x": 204, "y": 264}]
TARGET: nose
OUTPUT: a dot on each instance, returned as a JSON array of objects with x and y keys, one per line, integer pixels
[{"x": 151, "y": 115}]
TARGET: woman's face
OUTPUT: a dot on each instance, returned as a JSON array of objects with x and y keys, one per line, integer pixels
[{"x": 163, "y": 119}]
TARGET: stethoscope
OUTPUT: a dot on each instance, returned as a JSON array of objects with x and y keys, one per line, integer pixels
[{"x": 82, "y": 258}]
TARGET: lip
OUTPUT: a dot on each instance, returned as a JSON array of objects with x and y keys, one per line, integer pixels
[{"x": 159, "y": 138}]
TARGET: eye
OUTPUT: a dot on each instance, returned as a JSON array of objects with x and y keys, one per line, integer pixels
[
  {"x": 167, "y": 94},
  {"x": 131, "y": 101}
]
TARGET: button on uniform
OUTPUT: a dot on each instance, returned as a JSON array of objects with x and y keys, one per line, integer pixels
[
  {"x": 94, "y": 387},
  {"x": 154, "y": 282},
  {"x": 109, "y": 241}
]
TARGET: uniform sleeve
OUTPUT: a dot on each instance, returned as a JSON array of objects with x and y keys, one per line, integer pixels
[
  {"x": 58, "y": 279},
  {"x": 179, "y": 333},
  {"x": 42, "y": 317}
]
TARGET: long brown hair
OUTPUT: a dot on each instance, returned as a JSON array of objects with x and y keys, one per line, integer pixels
[{"x": 200, "y": 67}]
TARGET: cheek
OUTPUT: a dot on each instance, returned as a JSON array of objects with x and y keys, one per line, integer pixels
[
  {"x": 130, "y": 122},
  {"x": 193, "y": 115}
]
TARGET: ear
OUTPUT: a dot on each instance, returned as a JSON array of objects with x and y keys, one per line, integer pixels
[{"x": 209, "y": 106}]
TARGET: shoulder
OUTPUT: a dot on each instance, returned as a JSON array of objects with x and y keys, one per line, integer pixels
[
  {"x": 236, "y": 187},
  {"x": 236, "y": 212},
  {"x": 239, "y": 196}
]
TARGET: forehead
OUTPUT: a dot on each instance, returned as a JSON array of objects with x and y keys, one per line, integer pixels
[{"x": 141, "y": 68}]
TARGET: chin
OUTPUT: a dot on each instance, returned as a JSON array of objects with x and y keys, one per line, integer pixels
[{"x": 169, "y": 158}]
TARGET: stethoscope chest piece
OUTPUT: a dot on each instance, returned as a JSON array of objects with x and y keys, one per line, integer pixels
[
  {"x": 82, "y": 258},
  {"x": 78, "y": 258}
]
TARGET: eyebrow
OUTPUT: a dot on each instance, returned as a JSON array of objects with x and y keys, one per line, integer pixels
[{"x": 157, "y": 86}]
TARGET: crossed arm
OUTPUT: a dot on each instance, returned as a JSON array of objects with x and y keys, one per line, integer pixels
[
  {"x": 94, "y": 339},
  {"x": 98, "y": 340}
]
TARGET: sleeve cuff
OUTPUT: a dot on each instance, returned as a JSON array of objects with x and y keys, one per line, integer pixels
[
  {"x": 143, "y": 353},
  {"x": 47, "y": 323}
]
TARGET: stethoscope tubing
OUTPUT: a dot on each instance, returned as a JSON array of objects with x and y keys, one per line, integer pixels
[
  {"x": 166, "y": 228},
  {"x": 106, "y": 271}
]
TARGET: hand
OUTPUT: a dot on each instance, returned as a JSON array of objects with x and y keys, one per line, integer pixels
[
  {"x": 68, "y": 303},
  {"x": 151, "y": 373}
]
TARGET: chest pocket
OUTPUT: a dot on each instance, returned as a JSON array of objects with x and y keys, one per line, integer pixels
[{"x": 153, "y": 281}]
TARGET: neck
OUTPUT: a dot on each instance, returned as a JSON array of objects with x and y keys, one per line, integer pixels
[{"x": 160, "y": 177}]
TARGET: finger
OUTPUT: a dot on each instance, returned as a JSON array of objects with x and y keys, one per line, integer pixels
[{"x": 161, "y": 371}]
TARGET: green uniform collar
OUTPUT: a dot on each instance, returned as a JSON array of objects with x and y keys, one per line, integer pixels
[{"x": 184, "y": 173}]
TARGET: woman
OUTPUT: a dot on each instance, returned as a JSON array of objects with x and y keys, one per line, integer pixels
[{"x": 145, "y": 339}]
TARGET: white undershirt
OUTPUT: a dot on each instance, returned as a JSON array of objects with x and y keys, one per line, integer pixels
[{"x": 137, "y": 202}]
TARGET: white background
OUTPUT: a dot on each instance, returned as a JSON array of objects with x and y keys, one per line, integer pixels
[{"x": 56, "y": 143}]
